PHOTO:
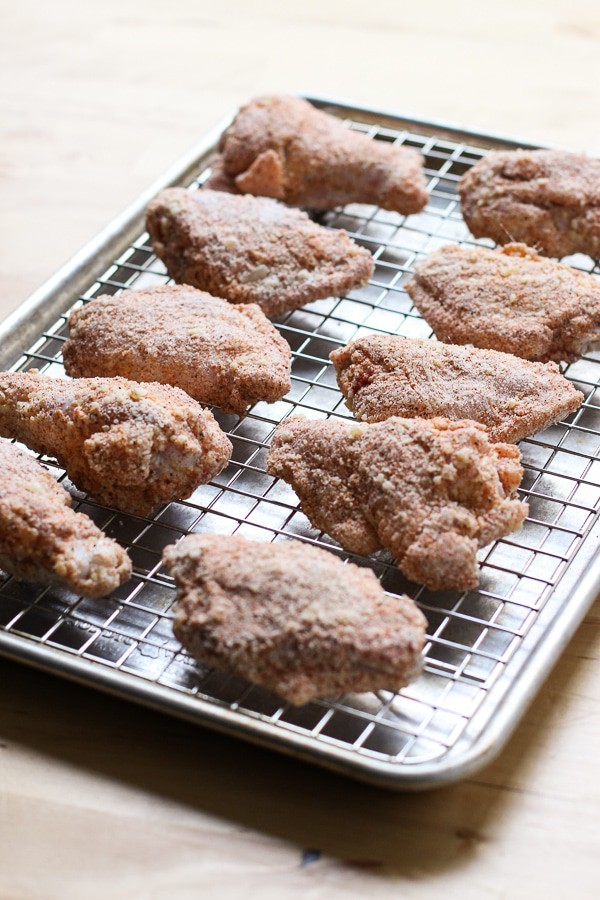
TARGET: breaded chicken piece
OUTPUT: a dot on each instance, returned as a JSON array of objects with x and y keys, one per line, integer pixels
[
  {"x": 130, "y": 445},
  {"x": 292, "y": 617},
  {"x": 431, "y": 491},
  {"x": 549, "y": 199},
  {"x": 510, "y": 299},
  {"x": 253, "y": 249},
  {"x": 283, "y": 147},
  {"x": 43, "y": 539},
  {"x": 229, "y": 356},
  {"x": 385, "y": 375}
]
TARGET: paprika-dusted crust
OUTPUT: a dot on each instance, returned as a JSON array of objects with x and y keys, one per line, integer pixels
[
  {"x": 549, "y": 199},
  {"x": 229, "y": 356},
  {"x": 283, "y": 147},
  {"x": 431, "y": 491},
  {"x": 511, "y": 299},
  {"x": 43, "y": 539},
  {"x": 253, "y": 249},
  {"x": 292, "y": 617},
  {"x": 130, "y": 445},
  {"x": 388, "y": 375}
]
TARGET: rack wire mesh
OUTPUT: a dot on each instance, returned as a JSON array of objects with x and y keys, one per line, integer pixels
[{"x": 473, "y": 637}]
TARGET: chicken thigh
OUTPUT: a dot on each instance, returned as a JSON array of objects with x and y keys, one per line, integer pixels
[
  {"x": 229, "y": 356},
  {"x": 253, "y": 249},
  {"x": 292, "y": 617},
  {"x": 431, "y": 491},
  {"x": 384, "y": 375},
  {"x": 510, "y": 299},
  {"x": 549, "y": 199}
]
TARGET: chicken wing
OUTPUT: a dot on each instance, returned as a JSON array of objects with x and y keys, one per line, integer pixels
[
  {"x": 43, "y": 539},
  {"x": 131, "y": 445},
  {"x": 431, "y": 491},
  {"x": 283, "y": 147},
  {"x": 510, "y": 299},
  {"x": 253, "y": 249},
  {"x": 549, "y": 199},
  {"x": 384, "y": 375},
  {"x": 218, "y": 353},
  {"x": 292, "y": 617}
]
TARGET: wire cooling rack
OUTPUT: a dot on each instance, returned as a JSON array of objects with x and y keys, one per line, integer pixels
[{"x": 487, "y": 649}]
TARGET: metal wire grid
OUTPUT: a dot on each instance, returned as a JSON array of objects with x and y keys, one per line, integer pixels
[{"x": 471, "y": 636}]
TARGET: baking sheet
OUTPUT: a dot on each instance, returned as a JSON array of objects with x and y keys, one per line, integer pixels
[{"x": 487, "y": 651}]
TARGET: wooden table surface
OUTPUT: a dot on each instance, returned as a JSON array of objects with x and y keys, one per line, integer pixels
[{"x": 100, "y": 799}]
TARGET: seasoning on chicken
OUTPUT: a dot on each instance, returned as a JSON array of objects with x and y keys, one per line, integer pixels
[
  {"x": 549, "y": 199},
  {"x": 292, "y": 617},
  {"x": 510, "y": 299},
  {"x": 253, "y": 249},
  {"x": 43, "y": 539},
  {"x": 218, "y": 353},
  {"x": 283, "y": 147},
  {"x": 133, "y": 446},
  {"x": 431, "y": 491},
  {"x": 385, "y": 375}
]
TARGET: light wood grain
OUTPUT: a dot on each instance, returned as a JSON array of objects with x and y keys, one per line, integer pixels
[{"x": 100, "y": 799}]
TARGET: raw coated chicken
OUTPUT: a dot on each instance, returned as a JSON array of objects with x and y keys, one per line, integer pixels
[
  {"x": 130, "y": 445},
  {"x": 549, "y": 199},
  {"x": 386, "y": 375},
  {"x": 431, "y": 491},
  {"x": 229, "y": 356},
  {"x": 253, "y": 249},
  {"x": 43, "y": 539},
  {"x": 510, "y": 299},
  {"x": 292, "y": 617},
  {"x": 284, "y": 147}
]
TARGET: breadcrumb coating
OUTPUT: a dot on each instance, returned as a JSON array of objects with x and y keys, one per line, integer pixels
[
  {"x": 384, "y": 375},
  {"x": 283, "y": 147},
  {"x": 218, "y": 353},
  {"x": 43, "y": 539},
  {"x": 130, "y": 445},
  {"x": 253, "y": 249},
  {"x": 549, "y": 199},
  {"x": 292, "y": 617},
  {"x": 509, "y": 299},
  {"x": 431, "y": 491}
]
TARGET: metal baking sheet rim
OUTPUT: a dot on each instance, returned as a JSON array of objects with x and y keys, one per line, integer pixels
[{"x": 580, "y": 583}]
